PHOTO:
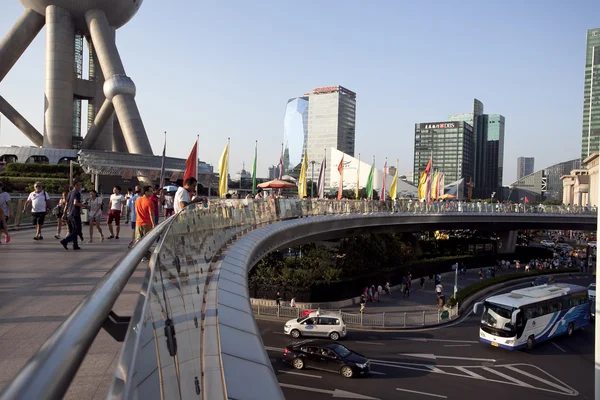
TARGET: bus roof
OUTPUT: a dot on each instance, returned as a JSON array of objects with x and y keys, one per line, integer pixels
[{"x": 521, "y": 297}]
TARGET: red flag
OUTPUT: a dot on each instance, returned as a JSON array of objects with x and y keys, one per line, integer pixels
[
  {"x": 527, "y": 200},
  {"x": 382, "y": 194},
  {"x": 341, "y": 171},
  {"x": 428, "y": 167},
  {"x": 191, "y": 164}
]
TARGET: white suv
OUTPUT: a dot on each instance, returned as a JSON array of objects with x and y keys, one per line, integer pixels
[{"x": 317, "y": 323}]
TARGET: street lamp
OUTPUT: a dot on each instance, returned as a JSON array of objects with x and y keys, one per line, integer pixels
[{"x": 312, "y": 179}]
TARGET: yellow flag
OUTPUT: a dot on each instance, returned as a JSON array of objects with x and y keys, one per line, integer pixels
[
  {"x": 302, "y": 178},
  {"x": 434, "y": 186},
  {"x": 223, "y": 171},
  {"x": 422, "y": 185},
  {"x": 394, "y": 186}
]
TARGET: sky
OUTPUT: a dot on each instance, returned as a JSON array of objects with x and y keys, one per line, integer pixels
[{"x": 226, "y": 70}]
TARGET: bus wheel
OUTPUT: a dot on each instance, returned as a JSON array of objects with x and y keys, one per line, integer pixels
[
  {"x": 530, "y": 342},
  {"x": 570, "y": 329}
]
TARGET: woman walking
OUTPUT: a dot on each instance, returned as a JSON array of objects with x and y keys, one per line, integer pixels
[
  {"x": 58, "y": 213},
  {"x": 95, "y": 207}
]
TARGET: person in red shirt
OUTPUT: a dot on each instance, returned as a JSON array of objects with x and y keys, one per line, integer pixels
[
  {"x": 157, "y": 198},
  {"x": 144, "y": 214}
]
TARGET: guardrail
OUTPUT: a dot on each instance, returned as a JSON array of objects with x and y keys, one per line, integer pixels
[
  {"x": 383, "y": 320},
  {"x": 172, "y": 346}
]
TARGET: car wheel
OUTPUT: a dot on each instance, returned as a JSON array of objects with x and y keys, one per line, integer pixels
[
  {"x": 298, "y": 363},
  {"x": 346, "y": 372},
  {"x": 295, "y": 333},
  {"x": 570, "y": 329},
  {"x": 530, "y": 342},
  {"x": 334, "y": 336}
]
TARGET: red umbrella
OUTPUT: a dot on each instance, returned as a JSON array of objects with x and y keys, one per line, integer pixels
[{"x": 276, "y": 184}]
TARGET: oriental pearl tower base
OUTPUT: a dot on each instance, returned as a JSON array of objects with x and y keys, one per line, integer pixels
[{"x": 105, "y": 86}]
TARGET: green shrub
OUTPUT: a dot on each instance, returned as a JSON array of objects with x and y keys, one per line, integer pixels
[
  {"x": 21, "y": 168},
  {"x": 470, "y": 290}
]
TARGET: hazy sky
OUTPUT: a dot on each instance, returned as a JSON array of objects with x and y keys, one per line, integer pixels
[{"x": 227, "y": 68}]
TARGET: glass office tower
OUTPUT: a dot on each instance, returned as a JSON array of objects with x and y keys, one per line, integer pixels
[
  {"x": 525, "y": 166},
  {"x": 452, "y": 146},
  {"x": 590, "y": 141},
  {"x": 494, "y": 154},
  {"x": 295, "y": 130}
]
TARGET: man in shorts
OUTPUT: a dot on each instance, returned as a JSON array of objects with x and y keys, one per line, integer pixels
[
  {"x": 115, "y": 209},
  {"x": 144, "y": 214},
  {"x": 131, "y": 207},
  {"x": 40, "y": 205}
]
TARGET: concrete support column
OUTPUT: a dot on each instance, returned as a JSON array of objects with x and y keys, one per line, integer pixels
[
  {"x": 104, "y": 141},
  {"x": 102, "y": 117},
  {"x": 507, "y": 242},
  {"x": 118, "y": 141},
  {"x": 16, "y": 41},
  {"x": 60, "y": 74},
  {"x": 20, "y": 122},
  {"x": 118, "y": 87}
]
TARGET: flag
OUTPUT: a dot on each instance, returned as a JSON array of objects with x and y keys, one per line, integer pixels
[
  {"x": 341, "y": 184},
  {"x": 422, "y": 189},
  {"x": 369, "y": 187},
  {"x": 162, "y": 165},
  {"x": 321, "y": 186},
  {"x": 357, "y": 177},
  {"x": 302, "y": 178},
  {"x": 191, "y": 164},
  {"x": 394, "y": 186},
  {"x": 223, "y": 171},
  {"x": 434, "y": 187},
  {"x": 382, "y": 194},
  {"x": 441, "y": 185},
  {"x": 254, "y": 169}
]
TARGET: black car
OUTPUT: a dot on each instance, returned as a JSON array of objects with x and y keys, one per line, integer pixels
[
  {"x": 326, "y": 356},
  {"x": 543, "y": 280}
]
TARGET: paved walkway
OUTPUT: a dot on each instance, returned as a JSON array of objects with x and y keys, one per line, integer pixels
[
  {"x": 40, "y": 284},
  {"x": 422, "y": 300}
]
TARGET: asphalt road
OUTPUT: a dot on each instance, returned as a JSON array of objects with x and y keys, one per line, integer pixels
[{"x": 447, "y": 362}]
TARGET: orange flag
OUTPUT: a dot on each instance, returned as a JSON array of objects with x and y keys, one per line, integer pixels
[{"x": 341, "y": 171}]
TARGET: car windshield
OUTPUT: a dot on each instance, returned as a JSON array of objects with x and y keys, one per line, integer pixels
[
  {"x": 340, "y": 350},
  {"x": 497, "y": 316},
  {"x": 592, "y": 286}
]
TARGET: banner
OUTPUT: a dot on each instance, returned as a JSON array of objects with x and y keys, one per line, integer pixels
[
  {"x": 224, "y": 171},
  {"x": 191, "y": 164}
]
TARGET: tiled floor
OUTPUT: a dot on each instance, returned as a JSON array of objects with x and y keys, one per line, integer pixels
[{"x": 40, "y": 284}]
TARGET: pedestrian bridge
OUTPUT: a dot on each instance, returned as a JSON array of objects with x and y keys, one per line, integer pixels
[{"x": 192, "y": 334}]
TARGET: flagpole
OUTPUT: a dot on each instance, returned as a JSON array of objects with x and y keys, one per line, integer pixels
[
  {"x": 372, "y": 179},
  {"x": 358, "y": 177},
  {"x": 226, "y": 177},
  {"x": 397, "y": 160},
  {"x": 254, "y": 168},
  {"x": 196, "y": 161}
]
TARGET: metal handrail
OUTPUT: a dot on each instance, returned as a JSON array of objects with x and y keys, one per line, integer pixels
[{"x": 49, "y": 373}]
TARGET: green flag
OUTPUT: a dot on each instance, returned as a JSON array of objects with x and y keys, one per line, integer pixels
[
  {"x": 370, "y": 181},
  {"x": 254, "y": 170}
]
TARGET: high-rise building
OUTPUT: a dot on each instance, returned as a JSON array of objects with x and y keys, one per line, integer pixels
[
  {"x": 331, "y": 123},
  {"x": 488, "y": 131},
  {"x": 450, "y": 144},
  {"x": 525, "y": 166},
  {"x": 590, "y": 141},
  {"x": 295, "y": 130}
]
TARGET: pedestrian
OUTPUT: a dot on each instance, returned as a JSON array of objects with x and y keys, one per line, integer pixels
[
  {"x": 182, "y": 197},
  {"x": 73, "y": 215},
  {"x": 168, "y": 206},
  {"x": 422, "y": 283},
  {"x": 115, "y": 209},
  {"x": 157, "y": 198},
  {"x": 40, "y": 205},
  {"x": 403, "y": 287},
  {"x": 439, "y": 289},
  {"x": 144, "y": 210},
  {"x": 95, "y": 214},
  {"x": 370, "y": 294},
  {"x": 6, "y": 211},
  {"x": 363, "y": 302},
  {"x": 407, "y": 288},
  {"x": 127, "y": 210},
  {"x": 131, "y": 206},
  {"x": 388, "y": 288},
  {"x": 278, "y": 299},
  {"x": 379, "y": 290},
  {"x": 293, "y": 302},
  {"x": 375, "y": 294},
  {"x": 58, "y": 212}
]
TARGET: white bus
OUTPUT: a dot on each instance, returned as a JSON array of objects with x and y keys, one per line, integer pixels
[{"x": 524, "y": 317}]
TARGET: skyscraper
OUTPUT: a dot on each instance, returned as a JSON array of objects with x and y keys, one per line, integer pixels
[
  {"x": 590, "y": 141},
  {"x": 295, "y": 130},
  {"x": 525, "y": 166},
  {"x": 331, "y": 122}
]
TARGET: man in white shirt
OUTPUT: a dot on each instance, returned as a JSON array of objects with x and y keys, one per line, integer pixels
[
  {"x": 115, "y": 209},
  {"x": 182, "y": 196},
  {"x": 40, "y": 205}
]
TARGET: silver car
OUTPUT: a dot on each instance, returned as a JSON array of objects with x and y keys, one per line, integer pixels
[{"x": 317, "y": 323}]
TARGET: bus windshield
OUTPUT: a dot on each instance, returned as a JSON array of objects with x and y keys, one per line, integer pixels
[{"x": 497, "y": 316}]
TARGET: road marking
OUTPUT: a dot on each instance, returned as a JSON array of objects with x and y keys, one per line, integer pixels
[
  {"x": 422, "y": 393},
  {"x": 507, "y": 377},
  {"x": 273, "y": 348},
  {"x": 378, "y": 373},
  {"x": 558, "y": 347},
  {"x": 299, "y": 374},
  {"x": 279, "y": 333},
  {"x": 335, "y": 393},
  {"x": 436, "y": 340},
  {"x": 457, "y": 345},
  {"x": 469, "y": 372},
  {"x": 374, "y": 343},
  {"x": 537, "y": 378},
  {"x": 434, "y": 357}
]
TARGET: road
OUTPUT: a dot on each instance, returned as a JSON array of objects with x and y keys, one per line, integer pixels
[{"x": 445, "y": 363}]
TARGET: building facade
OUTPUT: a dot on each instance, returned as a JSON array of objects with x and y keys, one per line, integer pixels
[
  {"x": 295, "y": 132},
  {"x": 590, "y": 140},
  {"x": 331, "y": 123},
  {"x": 545, "y": 184},
  {"x": 525, "y": 166},
  {"x": 479, "y": 133},
  {"x": 450, "y": 144}
]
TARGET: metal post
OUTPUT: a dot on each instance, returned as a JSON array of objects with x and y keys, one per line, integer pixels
[
  {"x": 70, "y": 174},
  {"x": 455, "y": 280},
  {"x": 423, "y": 318},
  {"x": 404, "y": 320},
  {"x": 312, "y": 179},
  {"x": 258, "y": 308},
  {"x": 96, "y": 183},
  {"x": 384, "y": 320},
  {"x": 438, "y": 316},
  {"x": 278, "y": 308},
  {"x": 361, "y": 318}
]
